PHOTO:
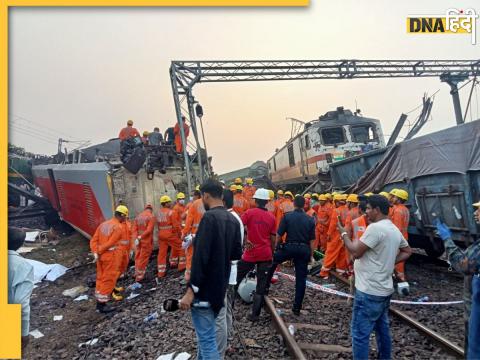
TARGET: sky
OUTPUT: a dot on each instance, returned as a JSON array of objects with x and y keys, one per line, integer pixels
[{"x": 81, "y": 73}]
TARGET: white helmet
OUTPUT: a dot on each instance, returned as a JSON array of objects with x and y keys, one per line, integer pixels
[
  {"x": 262, "y": 194},
  {"x": 246, "y": 289}
]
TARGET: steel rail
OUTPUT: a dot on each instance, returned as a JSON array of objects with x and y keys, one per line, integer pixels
[
  {"x": 444, "y": 342},
  {"x": 290, "y": 342}
]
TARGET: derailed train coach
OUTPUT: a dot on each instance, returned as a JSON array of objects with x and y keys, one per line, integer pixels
[
  {"x": 440, "y": 171},
  {"x": 85, "y": 194},
  {"x": 307, "y": 157}
]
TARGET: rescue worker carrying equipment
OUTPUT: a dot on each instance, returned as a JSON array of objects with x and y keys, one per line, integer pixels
[
  {"x": 400, "y": 216},
  {"x": 128, "y": 132},
  {"x": 105, "y": 246},
  {"x": 168, "y": 236},
  {"x": 178, "y": 136},
  {"x": 143, "y": 227}
]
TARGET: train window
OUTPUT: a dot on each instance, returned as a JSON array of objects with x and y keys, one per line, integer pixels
[
  {"x": 333, "y": 136},
  {"x": 307, "y": 142},
  {"x": 363, "y": 133},
  {"x": 291, "y": 156},
  {"x": 274, "y": 165}
]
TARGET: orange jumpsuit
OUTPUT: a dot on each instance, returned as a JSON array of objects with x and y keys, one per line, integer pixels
[
  {"x": 178, "y": 136},
  {"x": 284, "y": 207},
  {"x": 128, "y": 132},
  {"x": 105, "y": 242},
  {"x": 126, "y": 246},
  {"x": 168, "y": 236},
  {"x": 248, "y": 192},
  {"x": 335, "y": 254},
  {"x": 400, "y": 217},
  {"x": 143, "y": 226},
  {"x": 194, "y": 216},
  {"x": 240, "y": 204},
  {"x": 178, "y": 211},
  {"x": 323, "y": 220}
]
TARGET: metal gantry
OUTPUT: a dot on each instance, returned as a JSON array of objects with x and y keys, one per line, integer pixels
[{"x": 185, "y": 74}]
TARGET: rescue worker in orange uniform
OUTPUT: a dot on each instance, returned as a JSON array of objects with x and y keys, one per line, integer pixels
[
  {"x": 400, "y": 217},
  {"x": 336, "y": 253},
  {"x": 285, "y": 206},
  {"x": 128, "y": 132},
  {"x": 127, "y": 247},
  {"x": 179, "y": 210},
  {"x": 240, "y": 203},
  {"x": 308, "y": 198},
  {"x": 178, "y": 136},
  {"x": 168, "y": 235},
  {"x": 249, "y": 191},
  {"x": 271, "y": 203},
  {"x": 194, "y": 216},
  {"x": 143, "y": 227},
  {"x": 353, "y": 213},
  {"x": 357, "y": 228},
  {"x": 323, "y": 219},
  {"x": 105, "y": 246}
]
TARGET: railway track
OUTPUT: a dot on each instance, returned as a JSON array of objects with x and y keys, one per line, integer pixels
[
  {"x": 432, "y": 335},
  {"x": 297, "y": 349}
]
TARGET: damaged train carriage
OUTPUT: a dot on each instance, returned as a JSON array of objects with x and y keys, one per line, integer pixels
[
  {"x": 86, "y": 193},
  {"x": 306, "y": 158},
  {"x": 440, "y": 171}
]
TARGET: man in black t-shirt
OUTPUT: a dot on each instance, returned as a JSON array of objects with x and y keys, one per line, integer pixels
[{"x": 217, "y": 243}]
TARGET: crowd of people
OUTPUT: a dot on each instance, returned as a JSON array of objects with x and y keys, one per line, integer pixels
[
  {"x": 172, "y": 135},
  {"x": 225, "y": 232}
]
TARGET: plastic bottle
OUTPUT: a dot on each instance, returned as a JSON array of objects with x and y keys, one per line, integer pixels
[{"x": 151, "y": 317}]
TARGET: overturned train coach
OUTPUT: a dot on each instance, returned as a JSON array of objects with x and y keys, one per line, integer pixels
[
  {"x": 440, "y": 171},
  {"x": 307, "y": 157},
  {"x": 86, "y": 193}
]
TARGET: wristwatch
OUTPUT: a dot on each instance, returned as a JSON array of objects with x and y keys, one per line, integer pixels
[{"x": 343, "y": 233}]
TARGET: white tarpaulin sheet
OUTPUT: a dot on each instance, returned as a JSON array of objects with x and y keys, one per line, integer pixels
[{"x": 49, "y": 272}]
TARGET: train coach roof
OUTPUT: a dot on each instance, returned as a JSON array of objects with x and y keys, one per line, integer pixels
[{"x": 453, "y": 150}]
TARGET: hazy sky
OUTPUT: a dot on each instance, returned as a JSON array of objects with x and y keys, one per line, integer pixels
[{"x": 80, "y": 73}]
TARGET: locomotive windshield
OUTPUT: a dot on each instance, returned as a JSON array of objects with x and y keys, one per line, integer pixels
[
  {"x": 333, "y": 136},
  {"x": 363, "y": 133}
]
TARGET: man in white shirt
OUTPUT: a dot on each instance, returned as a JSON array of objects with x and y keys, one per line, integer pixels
[
  {"x": 376, "y": 253},
  {"x": 20, "y": 279},
  {"x": 224, "y": 320}
]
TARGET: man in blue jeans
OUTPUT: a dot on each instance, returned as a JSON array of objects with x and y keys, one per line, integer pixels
[
  {"x": 375, "y": 253},
  {"x": 216, "y": 244}
]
